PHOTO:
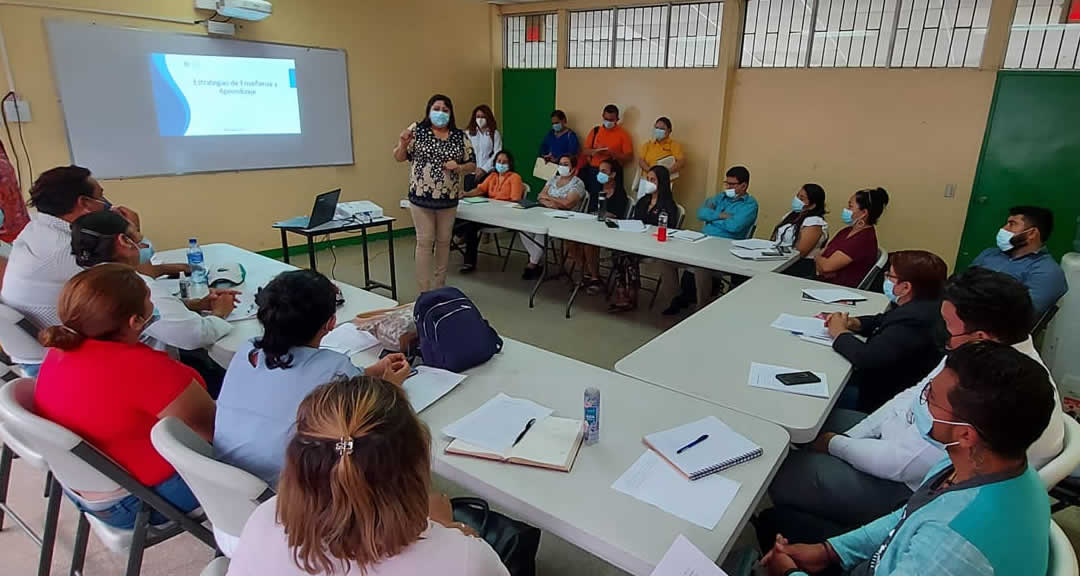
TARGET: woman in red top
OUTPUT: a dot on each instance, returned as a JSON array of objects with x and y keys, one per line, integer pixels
[
  {"x": 101, "y": 383},
  {"x": 853, "y": 251}
]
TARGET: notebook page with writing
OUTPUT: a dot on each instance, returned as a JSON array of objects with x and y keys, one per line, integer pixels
[
  {"x": 552, "y": 442},
  {"x": 723, "y": 449}
]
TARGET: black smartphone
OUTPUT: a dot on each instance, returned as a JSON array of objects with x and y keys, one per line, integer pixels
[
  {"x": 793, "y": 378},
  {"x": 610, "y": 224}
]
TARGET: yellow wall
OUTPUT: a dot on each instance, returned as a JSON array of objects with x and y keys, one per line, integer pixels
[
  {"x": 397, "y": 57},
  {"x": 912, "y": 132}
]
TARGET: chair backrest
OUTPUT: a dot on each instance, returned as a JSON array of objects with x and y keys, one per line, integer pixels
[
  {"x": 219, "y": 567},
  {"x": 1062, "y": 556},
  {"x": 1063, "y": 464},
  {"x": 584, "y": 204},
  {"x": 227, "y": 494},
  {"x": 54, "y": 442},
  {"x": 20, "y": 447},
  {"x": 1045, "y": 319},
  {"x": 18, "y": 336},
  {"x": 753, "y": 229},
  {"x": 682, "y": 216},
  {"x": 527, "y": 191},
  {"x": 875, "y": 270}
]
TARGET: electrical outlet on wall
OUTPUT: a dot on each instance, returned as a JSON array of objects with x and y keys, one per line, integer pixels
[{"x": 17, "y": 110}]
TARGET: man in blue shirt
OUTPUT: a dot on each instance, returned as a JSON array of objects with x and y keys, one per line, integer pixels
[
  {"x": 1021, "y": 253},
  {"x": 730, "y": 214},
  {"x": 561, "y": 140}
]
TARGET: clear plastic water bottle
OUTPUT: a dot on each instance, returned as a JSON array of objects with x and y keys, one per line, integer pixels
[
  {"x": 661, "y": 228},
  {"x": 199, "y": 284},
  {"x": 185, "y": 286},
  {"x": 592, "y": 416},
  {"x": 600, "y": 212}
]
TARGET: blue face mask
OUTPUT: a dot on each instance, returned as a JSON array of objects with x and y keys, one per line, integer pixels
[
  {"x": 557, "y": 127},
  {"x": 924, "y": 423},
  {"x": 501, "y": 168},
  {"x": 1004, "y": 240},
  {"x": 659, "y": 134},
  {"x": 146, "y": 252},
  {"x": 602, "y": 177},
  {"x": 439, "y": 118},
  {"x": 847, "y": 216},
  {"x": 887, "y": 287},
  {"x": 609, "y": 124},
  {"x": 730, "y": 192},
  {"x": 797, "y": 205}
]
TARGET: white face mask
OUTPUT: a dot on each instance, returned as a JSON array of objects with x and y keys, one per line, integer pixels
[
  {"x": 646, "y": 187},
  {"x": 563, "y": 170},
  {"x": 481, "y": 122}
]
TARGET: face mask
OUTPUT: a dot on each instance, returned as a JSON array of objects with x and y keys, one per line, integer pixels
[
  {"x": 439, "y": 118},
  {"x": 602, "y": 177},
  {"x": 646, "y": 187},
  {"x": 557, "y": 127},
  {"x": 563, "y": 170},
  {"x": 1005, "y": 240},
  {"x": 104, "y": 202},
  {"x": 154, "y": 317},
  {"x": 847, "y": 216},
  {"x": 145, "y": 253},
  {"x": 501, "y": 168},
  {"x": 659, "y": 134},
  {"x": 609, "y": 124},
  {"x": 887, "y": 287},
  {"x": 797, "y": 205},
  {"x": 481, "y": 122},
  {"x": 924, "y": 423},
  {"x": 730, "y": 192}
]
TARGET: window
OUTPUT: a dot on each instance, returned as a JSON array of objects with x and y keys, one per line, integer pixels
[
  {"x": 1045, "y": 35},
  {"x": 530, "y": 41},
  {"x": 864, "y": 33},
  {"x": 664, "y": 36}
]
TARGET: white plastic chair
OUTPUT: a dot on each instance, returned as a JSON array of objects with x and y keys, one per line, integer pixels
[
  {"x": 16, "y": 447},
  {"x": 682, "y": 216},
  {"x": 226, "y": 493},
  {"x": 79, "y": 467},
  {"x": 1063, "y": 464},
  {"x": 1062, "y": 556},
  {"x": 875, "y": 270},
  {"x": 18, "y": 337},
  {"x": 219, "y": 567}
]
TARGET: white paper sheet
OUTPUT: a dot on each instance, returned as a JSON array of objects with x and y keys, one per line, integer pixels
[
  {"x": 817, "y": 340},
  {"x": 245, "y": 306},
  {"x": 631, "y": 226},
  {"x": 348, "y": 339},
  {"x": 656, "y": 482},
  {"x": 754, "y": 244},
  {"x": 687, "y": 235},
  {"x": 685, "y": 559},
  {"x": 430, "y": 384},
  {"x": 764, "y": 376},
  {"x": 496, "y": 423},
  {"x": 570, "y": 215},
  {"x": 830, "y": 295},
  {"x": 767, "y": 254},
  {"x": 806, "y": 325}
]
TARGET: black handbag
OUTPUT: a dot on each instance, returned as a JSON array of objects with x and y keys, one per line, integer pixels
[{"x": 514, "y": 541}]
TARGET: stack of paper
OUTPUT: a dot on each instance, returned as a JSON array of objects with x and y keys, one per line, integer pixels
[
  {"x": 428, "y": 385},
  {"x": 570, "y": 215},
  {"x": 631, "y": 226},
  {"x": 833, "y": 295},
  {"x": 688, "y": 235},
  {"x": 764, "y": 376},
  {"x": 348, "y": 339},
  {"x": 654, "y": 481},
  {"x": 754, "y": 244},
  {"x": 496, "y": 424},
  {"x": 474, "y": 200},
  {"x": 685, "y": 559},
  {"x": 245, "y": 306},
  {"x": 803, "y": 325},
  {"x": 763, "y": 254}
]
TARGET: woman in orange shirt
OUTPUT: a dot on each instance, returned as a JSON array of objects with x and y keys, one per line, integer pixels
[{"x": 504, "y": 184}]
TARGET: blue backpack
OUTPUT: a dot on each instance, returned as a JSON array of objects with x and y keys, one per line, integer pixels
[{"x": 453, "y": 334}]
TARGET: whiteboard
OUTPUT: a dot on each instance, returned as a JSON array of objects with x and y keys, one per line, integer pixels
[{"x": 143, "y": 102}]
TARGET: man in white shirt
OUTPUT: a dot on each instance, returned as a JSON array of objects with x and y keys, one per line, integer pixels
[{"x": 846, "y": 479}]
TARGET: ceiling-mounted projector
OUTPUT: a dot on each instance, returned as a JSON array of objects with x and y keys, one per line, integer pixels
[{"x": 244, "y": 9}]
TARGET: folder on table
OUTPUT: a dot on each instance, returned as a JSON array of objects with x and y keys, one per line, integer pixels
[
  {"x": 552, "y": 442},
  {"x": 723, "y": 449}
]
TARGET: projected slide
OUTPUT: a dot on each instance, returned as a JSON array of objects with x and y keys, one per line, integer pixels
[{"x": 197, "y": 95}]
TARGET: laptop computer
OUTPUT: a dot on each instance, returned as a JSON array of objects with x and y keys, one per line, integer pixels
[{"x": 321, "y": 213}]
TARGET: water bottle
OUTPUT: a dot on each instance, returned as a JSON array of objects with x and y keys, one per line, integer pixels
[
  {"x": 600, "y": 212},
  {"x": 199, "y": 286},
  {"x": 592, "y": 416},
  {"x": 185, "y": 286},
  {"x": 661, "y": 228}
]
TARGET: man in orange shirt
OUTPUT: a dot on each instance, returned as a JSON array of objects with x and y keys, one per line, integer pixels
[{"x": 608, "y": 140}]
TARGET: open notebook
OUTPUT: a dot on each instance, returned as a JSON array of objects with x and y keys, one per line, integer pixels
[
  {"x": 722, "y": 449},
  {"x": 551, "y": 443}
]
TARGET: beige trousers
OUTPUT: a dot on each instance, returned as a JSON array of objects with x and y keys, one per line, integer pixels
[
  {"x": 434, "y": 228},
  {"x": 703, "y": 280}
]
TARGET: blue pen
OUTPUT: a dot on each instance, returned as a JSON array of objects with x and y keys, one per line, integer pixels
[{"x": 699, "y": 440}]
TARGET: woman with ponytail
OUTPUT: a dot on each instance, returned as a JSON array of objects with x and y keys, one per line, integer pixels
[
  {"x": 851, "y": 254},
  {"x": 271, "y": 374},
  {"x": 354, "y": 496},
  {"x": 99, "y": 381}
]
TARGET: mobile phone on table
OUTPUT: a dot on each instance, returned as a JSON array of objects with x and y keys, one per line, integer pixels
[
  {"x": 610, "y": 224},
  {"x": 795, "y": 378}
]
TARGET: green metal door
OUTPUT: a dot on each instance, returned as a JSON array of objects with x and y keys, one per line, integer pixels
[
  {"x": 528, "y": 99},
  {"x": 1030, "y": 155}
]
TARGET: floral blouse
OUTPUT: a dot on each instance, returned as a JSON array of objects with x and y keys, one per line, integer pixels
[{"x": 429, "y": 185}]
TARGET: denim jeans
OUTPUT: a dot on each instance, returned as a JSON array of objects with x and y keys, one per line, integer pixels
[
  {"x": 31, "y": 370},
  {"x": 122, "y": 514}
]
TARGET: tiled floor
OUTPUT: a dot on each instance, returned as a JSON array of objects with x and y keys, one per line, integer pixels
[{"x": 591, "y": 335}]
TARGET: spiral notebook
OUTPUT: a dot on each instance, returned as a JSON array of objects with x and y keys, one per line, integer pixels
[{"x": 722, "y": 449}]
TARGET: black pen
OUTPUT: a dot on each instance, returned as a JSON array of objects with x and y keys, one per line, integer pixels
[
  {"x": 528, "y": 425},
  {"x": 699, "y": 440}
]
